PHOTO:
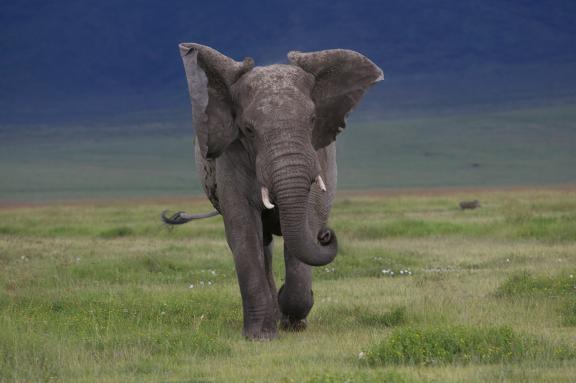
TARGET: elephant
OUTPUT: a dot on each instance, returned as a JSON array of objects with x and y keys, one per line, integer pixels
[{"x": 265, "y": 152}]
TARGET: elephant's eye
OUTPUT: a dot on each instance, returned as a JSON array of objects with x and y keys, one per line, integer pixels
[
  {"x": 249, "y": 131},
  {"x": 313, "y": 118}
]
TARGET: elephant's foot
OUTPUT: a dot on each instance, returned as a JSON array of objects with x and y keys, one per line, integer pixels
[
  {"x": 291, "y": 325},
  {"x": 295, "y": 307},
  {"x": 261, "y": 335},
  {"x": 261, "y": 330}
]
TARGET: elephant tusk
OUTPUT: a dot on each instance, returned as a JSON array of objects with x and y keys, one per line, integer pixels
[
  {"x": 320, "y": 182},
  {"x": 266, "y": 198}
]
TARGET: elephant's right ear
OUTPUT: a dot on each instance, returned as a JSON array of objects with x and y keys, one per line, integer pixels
[
  {"x": 210, "y": 75},
  {"x": 342, "y": 76}
]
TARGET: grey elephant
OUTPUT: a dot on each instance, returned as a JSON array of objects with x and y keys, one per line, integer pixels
[{"x": 266, "y": 155}]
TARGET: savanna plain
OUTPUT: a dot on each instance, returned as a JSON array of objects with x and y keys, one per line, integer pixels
[{"x": 421, "y": 291}]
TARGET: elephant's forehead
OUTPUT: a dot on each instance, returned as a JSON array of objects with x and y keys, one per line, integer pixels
[{"x": 277, "y": 79}]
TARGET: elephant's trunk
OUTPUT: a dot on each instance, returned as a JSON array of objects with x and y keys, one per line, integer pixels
[{"x": 291, "y": 188}]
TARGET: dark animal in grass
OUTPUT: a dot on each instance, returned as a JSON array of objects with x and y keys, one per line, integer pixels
[
  {"x": 266, "y": 155},
  {"x": 464, "y": 205}
]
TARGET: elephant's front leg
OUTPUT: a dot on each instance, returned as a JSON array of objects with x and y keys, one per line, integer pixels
[
  {"x": 244, "y": 234},
  {"x": 295, "y": 296}
]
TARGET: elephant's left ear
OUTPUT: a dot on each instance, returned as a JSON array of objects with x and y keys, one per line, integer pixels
[
  {"x": 342, "y": 77},
  {"x": 210, "y": 75}
]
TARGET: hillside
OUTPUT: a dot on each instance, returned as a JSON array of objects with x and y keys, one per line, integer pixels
[
  {"x": 530, "y": 147},
  {"x": 86, "y": 61}
]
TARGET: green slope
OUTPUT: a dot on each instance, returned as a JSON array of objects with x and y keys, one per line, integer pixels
[{"x": 518, "y": 147}]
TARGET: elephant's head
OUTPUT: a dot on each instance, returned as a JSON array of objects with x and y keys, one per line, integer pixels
[{"x": 285, "y": 113}]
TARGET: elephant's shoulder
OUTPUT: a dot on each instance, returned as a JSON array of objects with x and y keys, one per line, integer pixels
[
  {"x": 327, "y": 156},
  {"x": 210, "y": 184}
]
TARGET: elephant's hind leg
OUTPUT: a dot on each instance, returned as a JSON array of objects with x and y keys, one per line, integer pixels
[
  {"x": 268, "y": 266},
  {"x": 295, "y": 296}
]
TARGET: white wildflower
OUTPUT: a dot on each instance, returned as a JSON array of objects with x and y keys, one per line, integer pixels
[{"x": 361, "y": 355}]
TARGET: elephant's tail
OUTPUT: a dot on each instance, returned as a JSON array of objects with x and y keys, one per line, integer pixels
[{"x": 181, "y": 217}]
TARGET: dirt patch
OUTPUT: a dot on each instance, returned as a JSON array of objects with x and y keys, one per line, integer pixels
[
  {"x": 441, "y": 191},
  {"x": 195, "y": 199}
]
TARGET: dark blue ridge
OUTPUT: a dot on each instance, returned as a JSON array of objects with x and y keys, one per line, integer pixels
[{"x": 77, "y": 60}]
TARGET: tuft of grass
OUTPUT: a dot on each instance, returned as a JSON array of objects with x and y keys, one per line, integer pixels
[
  {"x": 463, "y": 345},
  {"x": 363, "y": 377},
  {"x": 526, "y": 284},
  {"x": 8, "y": 230},
  {"x": 568, "y": 312},
  {"x": 527, "y": 224},
  {"x": 117, "y": 232},
  {"x": 26, "y": 357}
]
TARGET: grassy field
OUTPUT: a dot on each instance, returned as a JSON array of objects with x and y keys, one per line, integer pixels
[
  {"x": 420, "y": 292},
  {"x": 534, "y": 146}
]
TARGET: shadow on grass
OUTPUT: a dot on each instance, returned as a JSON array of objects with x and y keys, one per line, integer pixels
[{"x": 352, "y": 317}]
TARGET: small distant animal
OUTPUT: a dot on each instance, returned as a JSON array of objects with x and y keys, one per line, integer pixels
[{"x": 469, "y": 204}]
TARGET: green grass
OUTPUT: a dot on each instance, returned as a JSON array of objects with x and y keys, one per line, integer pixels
[
  {"x": 524, "y": 283},
  {"x": 362, "y": 377},
  {"x": 568, "y": 312},
  {"x": 420, "y": 292},
  {"x": 456, "y": 344}
]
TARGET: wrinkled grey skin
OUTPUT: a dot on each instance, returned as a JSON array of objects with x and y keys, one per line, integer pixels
[{"x": 273, "y": 126}]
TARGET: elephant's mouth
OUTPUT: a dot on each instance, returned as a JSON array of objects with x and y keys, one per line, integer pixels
[
  {"x": 313, "y": 246},
  {"x": 266, "y": 199}
]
